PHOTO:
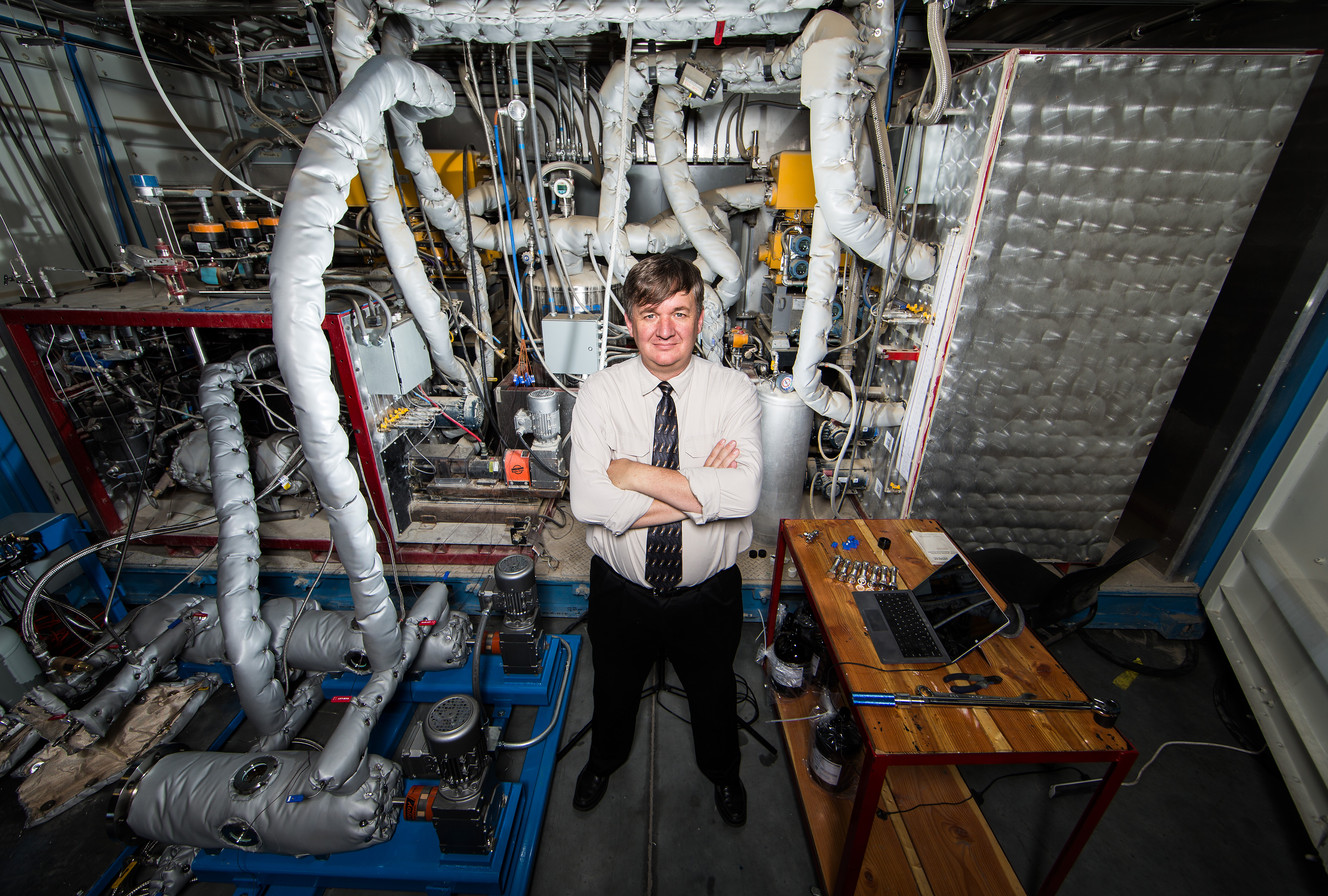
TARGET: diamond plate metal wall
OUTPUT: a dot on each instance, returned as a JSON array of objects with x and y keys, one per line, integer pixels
[{"x": 1121, "y": 188}]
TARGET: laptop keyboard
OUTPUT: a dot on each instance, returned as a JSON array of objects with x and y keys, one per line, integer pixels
[{"x": 911, "y": 631}]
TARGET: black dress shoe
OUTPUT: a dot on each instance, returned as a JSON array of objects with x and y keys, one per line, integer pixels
[
  {"x": 590, "y": 789},
  {"x": 731, "y": 801}
]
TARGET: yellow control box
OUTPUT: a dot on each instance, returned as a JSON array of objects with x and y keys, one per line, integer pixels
[{"x": 794, "y": 185}]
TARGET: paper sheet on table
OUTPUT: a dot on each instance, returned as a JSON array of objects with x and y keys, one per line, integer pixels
[{"x": 936, "y": 545}]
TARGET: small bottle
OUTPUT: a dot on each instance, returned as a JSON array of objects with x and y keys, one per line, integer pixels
[
  {"x": 835, "y": 744},
  {"x": 788, "y": 664}
]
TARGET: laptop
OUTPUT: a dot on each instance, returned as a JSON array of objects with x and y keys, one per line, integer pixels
[{"x": 945, "y": 617}]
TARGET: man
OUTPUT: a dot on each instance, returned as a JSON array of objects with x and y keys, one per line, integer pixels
[{"x": 643, "y": 498}]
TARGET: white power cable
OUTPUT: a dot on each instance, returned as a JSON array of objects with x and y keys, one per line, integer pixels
[
  {"x": 1056, "y": 788},
  {"x": 161, "y": 92}
]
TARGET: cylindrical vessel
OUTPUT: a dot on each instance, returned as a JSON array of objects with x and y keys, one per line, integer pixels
[
  {"x": 788, "y": 664},
  {"x": 786, "y": 431},
  {"x": 18, "y": 670},
  {"x": 253, "y": 802},
  {"x": 835, "y": 744}
]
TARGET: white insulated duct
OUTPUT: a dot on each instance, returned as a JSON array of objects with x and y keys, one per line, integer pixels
[
  {"x": 685, "y": 199},
  {"x": 403, "y": 256},
  {"x": 836, "y": 101},
  {"x": 344, "y": 762},
  {"x": 621, "y": 97},
  {"x": 301, "y": 252},
  {"x": 504, "y": 21},
  {"x": 822, "y": 272}
]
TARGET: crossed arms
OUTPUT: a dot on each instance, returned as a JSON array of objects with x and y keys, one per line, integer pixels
[{"x": 620, "y": 493}]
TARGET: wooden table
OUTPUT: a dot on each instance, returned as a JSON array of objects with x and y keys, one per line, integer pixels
[{"x": 911, "y": 751}]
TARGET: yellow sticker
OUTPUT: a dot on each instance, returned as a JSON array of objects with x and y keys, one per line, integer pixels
[{"x": 1125, "y": 679}]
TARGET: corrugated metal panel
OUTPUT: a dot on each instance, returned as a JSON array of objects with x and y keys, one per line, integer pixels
[{"x": 1122, "y": 186}]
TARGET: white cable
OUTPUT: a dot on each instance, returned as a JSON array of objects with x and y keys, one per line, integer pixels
[
  {"x": 1151, "y": 759},
  {"x": 161, "y": 92}
]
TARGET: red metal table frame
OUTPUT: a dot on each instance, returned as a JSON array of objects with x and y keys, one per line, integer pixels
[{"x": 877, "y": 763}]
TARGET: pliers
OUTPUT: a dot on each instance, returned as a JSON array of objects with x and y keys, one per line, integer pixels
[{"x": 969, "y": 682}]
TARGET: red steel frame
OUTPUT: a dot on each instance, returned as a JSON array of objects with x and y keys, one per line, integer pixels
[
  {"x": 875, "y": 766},
  {"x": 18, "y": 319}
]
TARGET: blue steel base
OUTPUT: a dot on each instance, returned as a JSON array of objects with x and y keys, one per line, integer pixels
[{"x": 410, "y": 861}]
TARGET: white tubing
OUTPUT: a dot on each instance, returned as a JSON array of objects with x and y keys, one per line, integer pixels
[
  {"x": 302, "y": 250},
  {"x": 822, "y": 273},
  {"x": 685, "y": 199},
  {"x": 621, "y": 97}
]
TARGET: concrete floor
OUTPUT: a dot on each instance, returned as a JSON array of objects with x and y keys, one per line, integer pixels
[{"x": 1200, "y": 821}]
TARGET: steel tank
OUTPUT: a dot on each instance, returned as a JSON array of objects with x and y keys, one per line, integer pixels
[{"x": 786, "y": 432}]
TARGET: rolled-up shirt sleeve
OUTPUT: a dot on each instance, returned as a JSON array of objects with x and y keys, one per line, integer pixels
[
  {"x": 732, "y": 492},
  {"x": 595, "y": 499}
]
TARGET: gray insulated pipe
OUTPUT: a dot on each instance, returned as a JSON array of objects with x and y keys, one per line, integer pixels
[
  {"x": 836, "y": 102},
  {"x": 254, "y": 802},
  {"x": 685, "y": 199},
  {"x": 345, "y": 762},
  {"x": 822, "y": 271},
  {"x": 246, "y": 634},
  {"x": 302, "y": 250}
]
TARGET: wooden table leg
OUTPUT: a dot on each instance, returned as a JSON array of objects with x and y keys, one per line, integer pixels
[{"x": 1092, "y": 814}]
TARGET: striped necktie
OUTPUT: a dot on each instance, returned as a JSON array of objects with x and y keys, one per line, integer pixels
[{"x": 664, "y": 543}]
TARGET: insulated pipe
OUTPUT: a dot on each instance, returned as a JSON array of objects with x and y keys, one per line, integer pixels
[
  {"x": 304, "y": 703},
  {"x": 786, "y": 62},
  {"x": 823, "y": 270},
  {"x": 403, "y": 256},
  {"x": 832, "y": 94},
  {"x": 302, "y": 250},
  {"x": 344, "y": 763},
  {"x": 140, "y": 668},
  {"x": 685, "y": 199},
  {"x": 621, "y": 97},
  {"x": 246, "y": 634}
]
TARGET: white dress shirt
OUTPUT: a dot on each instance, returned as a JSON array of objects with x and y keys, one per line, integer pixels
[{"x": 614, "y": 418}]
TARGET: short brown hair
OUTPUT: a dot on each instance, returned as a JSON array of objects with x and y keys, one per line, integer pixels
[{"x": 656, "y": 278}]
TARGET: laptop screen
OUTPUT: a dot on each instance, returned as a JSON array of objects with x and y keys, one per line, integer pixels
[{"x": 960, "y": 610}]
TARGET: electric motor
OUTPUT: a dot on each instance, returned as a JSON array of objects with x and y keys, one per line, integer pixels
[
  {"x": 515, "y": 578},
  {"x": 454, "y": 733},
  {"x": 544, "y": 415}
]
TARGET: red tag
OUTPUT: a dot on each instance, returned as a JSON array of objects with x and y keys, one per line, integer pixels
[
  {"x": 719, "y": 32},
  {"x": 342, "y": 699},
  {"x": 425, "y": 623}
]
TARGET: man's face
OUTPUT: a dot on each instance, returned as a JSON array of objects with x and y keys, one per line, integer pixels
[{"x": 665, "y": 334}]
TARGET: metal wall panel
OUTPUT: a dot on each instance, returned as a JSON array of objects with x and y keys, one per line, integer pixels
[{"x": 1122, "y": 186}]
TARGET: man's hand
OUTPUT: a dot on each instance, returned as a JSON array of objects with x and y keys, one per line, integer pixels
[{"x": 724, "y": 454}]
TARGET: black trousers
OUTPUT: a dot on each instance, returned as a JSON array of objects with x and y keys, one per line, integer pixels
[{"x": 698, "y": 629}]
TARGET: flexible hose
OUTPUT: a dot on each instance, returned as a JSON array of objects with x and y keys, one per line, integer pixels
[
  {"x": 940, "y": 65},
  {"x": 558, "y": 705}
]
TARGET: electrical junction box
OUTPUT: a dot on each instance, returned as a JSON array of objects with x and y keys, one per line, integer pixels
[
  {"x": 398, "y": 364},
  {"x": 571, "y": 343}
]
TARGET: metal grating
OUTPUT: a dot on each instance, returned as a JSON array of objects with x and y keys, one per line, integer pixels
[{"x": 1122, "y": 187}]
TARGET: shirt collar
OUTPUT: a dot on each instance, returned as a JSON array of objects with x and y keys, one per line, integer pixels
[{"x": 648, "y": 382}]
